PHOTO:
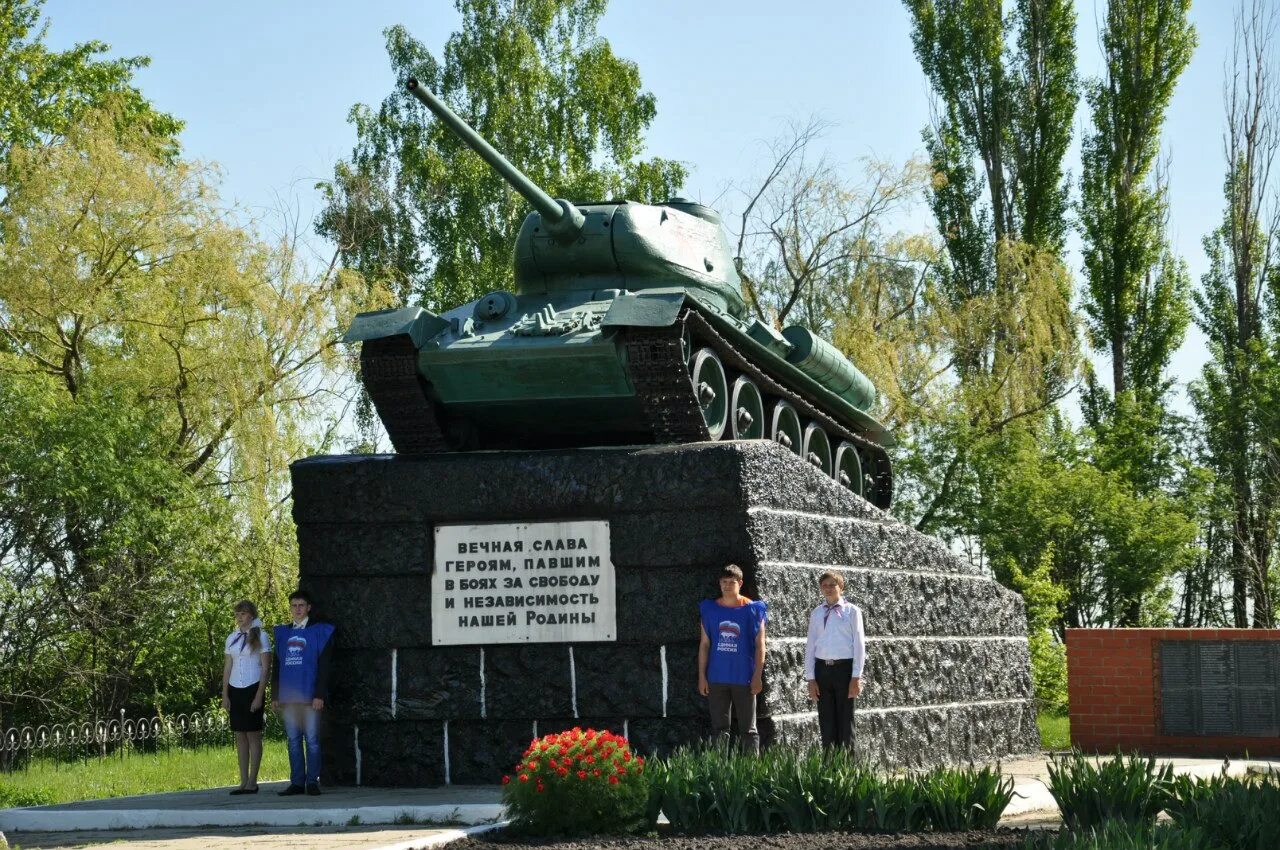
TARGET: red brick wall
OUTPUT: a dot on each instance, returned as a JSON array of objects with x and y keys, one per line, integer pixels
[{"x": 1113, "y": 683}]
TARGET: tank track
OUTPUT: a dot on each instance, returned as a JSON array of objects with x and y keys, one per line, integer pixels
[
  {"x": 656, "y": 359},
  {"x": 389, "y": 369},
  {"x": 656, "y": 363}
]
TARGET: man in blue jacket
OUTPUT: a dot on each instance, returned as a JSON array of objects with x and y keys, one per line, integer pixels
[{"x": 300, "y": 683}]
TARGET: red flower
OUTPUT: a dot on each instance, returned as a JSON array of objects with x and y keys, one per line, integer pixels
[
  {"x": 540, "y": 789},
  {"x": 590, "y": 759},
  {"x": 506, "y": 780},
  {"x": 622, "y": 771},
  {"x": 595, "y": 772},
  {"x": 562, "y": 771},
  {"x": 533, "y": 764},
  {"x": 640, "y": 760},
  {"x": 524, "y": 777},
  {"x": 626, "y": 756},
  {"x": 613, "y": 780},
  {"x": 582, "y": 774}
]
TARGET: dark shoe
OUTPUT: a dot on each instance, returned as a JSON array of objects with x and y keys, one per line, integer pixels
[
  {"x": 239, "y": 791},
  {"x": 293, "y": 790},
  {"x": 313, "y": 790}
]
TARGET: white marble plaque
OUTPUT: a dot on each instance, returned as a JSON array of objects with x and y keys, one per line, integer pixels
[{"x": 532, "y": 582}]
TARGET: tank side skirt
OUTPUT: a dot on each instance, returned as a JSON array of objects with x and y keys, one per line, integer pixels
[
  {"x": 703, "y": 331},
  {"x": 389, "y": 369}
]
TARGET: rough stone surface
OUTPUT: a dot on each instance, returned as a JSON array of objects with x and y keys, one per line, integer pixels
[{"x": 947, "y": 676}]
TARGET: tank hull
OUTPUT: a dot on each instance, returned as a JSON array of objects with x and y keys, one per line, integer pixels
[{"x": 590, "y": 371}]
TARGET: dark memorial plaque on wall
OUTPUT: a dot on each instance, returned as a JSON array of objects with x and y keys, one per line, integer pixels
[
  {"x": 1177, "y": 688},
  {"x": 1258, "y": 671},
  {"x": 1220, "y": 688},
  {"x": 1217, "y": 691}
]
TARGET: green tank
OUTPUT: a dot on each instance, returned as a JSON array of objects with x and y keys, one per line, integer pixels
[{"x": 627, "y": 326}]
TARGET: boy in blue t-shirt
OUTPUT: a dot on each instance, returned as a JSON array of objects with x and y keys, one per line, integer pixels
[{"x": 731, "y": 657}]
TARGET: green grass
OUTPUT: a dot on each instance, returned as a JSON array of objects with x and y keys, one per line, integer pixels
[
  {"x": 1055, "y": 731},
  {"x": 44, "y": 783}
]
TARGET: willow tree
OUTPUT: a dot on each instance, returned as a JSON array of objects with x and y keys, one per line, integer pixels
[{"x": 161, "y": 367}]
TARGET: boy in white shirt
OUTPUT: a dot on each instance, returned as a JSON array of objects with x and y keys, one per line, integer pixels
[{"x": 834, "y": 656}]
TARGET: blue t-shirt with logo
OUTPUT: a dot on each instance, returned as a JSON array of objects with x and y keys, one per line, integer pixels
[
  {"x": 732, "y": 632},
  {"x": 299, "y": 659}
]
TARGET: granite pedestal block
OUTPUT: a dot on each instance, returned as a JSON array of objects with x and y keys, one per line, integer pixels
[{"x": 948, "y": 672}]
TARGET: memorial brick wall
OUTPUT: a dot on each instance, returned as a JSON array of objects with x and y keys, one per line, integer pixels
[{"x": 1173, "y": 691}]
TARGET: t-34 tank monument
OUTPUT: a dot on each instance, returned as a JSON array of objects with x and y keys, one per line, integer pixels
[{"x": 574, "y": 462}]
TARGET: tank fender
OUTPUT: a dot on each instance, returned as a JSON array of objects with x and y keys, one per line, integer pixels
[
  {"x": 644, "y": 310},
  {"x": 419, "y": 324}
]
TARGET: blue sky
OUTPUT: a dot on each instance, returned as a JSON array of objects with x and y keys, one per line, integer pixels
[{"x": 265, "y": 87}]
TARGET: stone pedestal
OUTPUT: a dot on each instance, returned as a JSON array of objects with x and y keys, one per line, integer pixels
[{"x": 948, "y": 674}]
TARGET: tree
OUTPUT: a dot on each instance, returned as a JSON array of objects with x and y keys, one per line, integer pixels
[
  {"x": 415, "y": 205},
  {"x": 44, "y": 93},
  {"x": 1008, "y": 101},
  {"x": 805, "y": 232},
  {"x": 1006, "y": 89},
  {"x": 161, "y": 367},
  {"x": 1137, "y": 297},
  {"x": 1239, "y": 391},
  {"x": 1109, "y": 548}
]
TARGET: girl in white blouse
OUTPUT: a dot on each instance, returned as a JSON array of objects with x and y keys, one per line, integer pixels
[{"x": 244, "y": 683}]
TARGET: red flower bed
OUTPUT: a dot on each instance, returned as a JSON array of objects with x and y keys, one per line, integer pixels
[{"x": 578, "y": 782}]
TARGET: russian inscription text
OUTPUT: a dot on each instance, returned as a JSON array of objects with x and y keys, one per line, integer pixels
[{"x": 538, "y": 582}]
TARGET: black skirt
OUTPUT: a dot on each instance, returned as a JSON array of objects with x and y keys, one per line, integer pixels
[{"x": 242, "y": 719}]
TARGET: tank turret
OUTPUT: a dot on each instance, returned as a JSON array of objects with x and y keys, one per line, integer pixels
[{"x": 627, "y": 326}]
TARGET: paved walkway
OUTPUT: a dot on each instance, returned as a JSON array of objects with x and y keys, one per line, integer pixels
[
  {"x": 453, "y": 805},
  {"x": 247, "y": 837},
  {"x": 370, "y": 818}
]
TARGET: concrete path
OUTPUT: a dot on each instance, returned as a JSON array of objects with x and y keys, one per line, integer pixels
[
  {"x": 1032, "y": 795},
  {"x": 381, "y": 818},
  {"x": 249, "y": 838},
  {"x": 453, "y": 805}
]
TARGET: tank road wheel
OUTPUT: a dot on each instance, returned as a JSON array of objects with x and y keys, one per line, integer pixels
[
  {"x": 848, "y": 467},
  {"x": 712, "y": 389},
  {"x": 747, "y": 420},
  {"x": 784, "y": 426},
  {"x": 817, "y": 447}
]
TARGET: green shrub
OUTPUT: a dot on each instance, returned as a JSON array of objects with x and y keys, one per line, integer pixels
[
  {"x": 578, "y": 783},
  {"x": 1118, "y": 835},
  {"x": 12, "y": 798},
  {"x": 719, "y": 789},
  {"x": 1232, "y": 813},
  {"x": 712, "y": 789},
  {"x": 959, "y": 799},
  {"x": 1124, "y": 788}
]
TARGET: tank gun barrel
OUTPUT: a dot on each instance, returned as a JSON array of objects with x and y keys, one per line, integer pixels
[{"x": 562, "y": 219}]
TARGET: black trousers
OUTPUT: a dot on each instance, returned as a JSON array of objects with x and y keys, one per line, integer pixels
[
  {"x": 722, "y": 698},
  {"x": 835, "y": 709}
]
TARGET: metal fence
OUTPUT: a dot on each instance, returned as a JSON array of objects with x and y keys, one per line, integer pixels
[{"x": 119, "y": 737}]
